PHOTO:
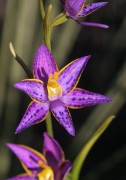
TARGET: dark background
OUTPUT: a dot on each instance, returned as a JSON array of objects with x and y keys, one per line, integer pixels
[{"x": 20, "y": 22}]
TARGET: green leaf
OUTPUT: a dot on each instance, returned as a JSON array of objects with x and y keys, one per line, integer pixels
[
  {"x": 77, "y": 165},
  {"x": 60, "y": 19}
]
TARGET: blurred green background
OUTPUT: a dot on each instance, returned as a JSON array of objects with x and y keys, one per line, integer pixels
[{"x": 20, "y": 23}]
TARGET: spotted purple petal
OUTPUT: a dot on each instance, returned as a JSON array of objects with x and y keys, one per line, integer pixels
[
  {"x": 81, "y": 98},
  {"x": 62, "y": 115},
  {"x": 23, "y": 177},
  {"x": 34, "y": 114},
  {"x": 28, "y": 157},
  {"x": 34, "y": 88},
  {"x": 92, "y": 24},
  {"x": 91, "y": 8},
  {"x": 70, "y": 74},
  {"x": 52, "y": 152},
  {"x": 72, "y": 7},
  {"x": 44, "y": 64},
  {"x": 63, "y": 170}
]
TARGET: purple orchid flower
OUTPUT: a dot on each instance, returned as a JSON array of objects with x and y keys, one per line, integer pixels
[
  {"x": 76, "y": 9},
  {"x": 56, "y": 91},
  {"x": 49, "y": 166}
]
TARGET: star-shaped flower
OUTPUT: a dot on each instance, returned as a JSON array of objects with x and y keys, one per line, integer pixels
[
  {"x": 55, "y": 91},
  {"x": 49, "y": 166},
  {"x": 76, "y": 9}
]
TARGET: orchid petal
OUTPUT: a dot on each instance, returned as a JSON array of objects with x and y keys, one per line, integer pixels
[
  {"x": 62, "y": 115},
  {"x": 44, "y": 64},
  {"x": 34, "y": 114},
  {"x": 28, "y": 157},
  {"x": 53, "y": 152},
  {"x": 86, "y": 10},
  {"x": 34, "y": 88},
  {"x": 63, "y": 170},
  {"x": 72, "y": 7},
  {"x": 70, "y": 74},
  {"x": 92, "y": 24},
  {"x": 22, "y": 177},
  {"x": 79, "y": 98}
]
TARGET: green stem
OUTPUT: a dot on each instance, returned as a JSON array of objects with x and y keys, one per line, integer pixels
[
  {"x": 49, "y": 125},
  {"x": 47, "y": 39},
  {"x": 47, "y": 36},
  {"x": 42, "y": 8},
  {"x": 47, "y": 28}
]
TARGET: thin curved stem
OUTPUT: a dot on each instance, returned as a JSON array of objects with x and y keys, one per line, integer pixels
[
  {"x": 20, "y": 61},
  {"x": 47, "y": 28},
  {"x": 42, "y": 11}
]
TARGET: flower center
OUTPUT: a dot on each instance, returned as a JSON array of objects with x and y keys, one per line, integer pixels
[
  {"x": 46, "y": 173},
  {"x": 54, "y": 89}
]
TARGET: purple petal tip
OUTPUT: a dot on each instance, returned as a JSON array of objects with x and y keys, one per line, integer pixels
[
  {"x": 104, "y": 26},
  {"x": 92, "y": 24},
  {"x": 72, "y": 132},
  {"x": 16, "y": 85},
  {"x": 18, "y": 130},
  {"x": 88, "y": 57},
  {"x": 101, "y": 4},
  {"x": 45, "y": 134},
  {"x": 10, "y": 145},
  {"x": 108, "y": 99},
  {"x": 104, "y": 3}
]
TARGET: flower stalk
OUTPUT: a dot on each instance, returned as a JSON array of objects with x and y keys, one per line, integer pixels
[
  {"x": 47, "y": 39},
  {"x": 47, "y": 29},
  {"x": 49, "y": 125}
]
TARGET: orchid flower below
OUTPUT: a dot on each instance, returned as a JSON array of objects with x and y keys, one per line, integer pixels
[
  {"x": 49, "y": 166},
  {"x": 76, "y": 9},
  {"x": 55, "y": 91}
]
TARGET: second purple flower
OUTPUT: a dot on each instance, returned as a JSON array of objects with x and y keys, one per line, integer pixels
[
  {"x": 76, "y": 9},
  {"x": 51, "y": 165},
  {"x": 55, "y": 91}
]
